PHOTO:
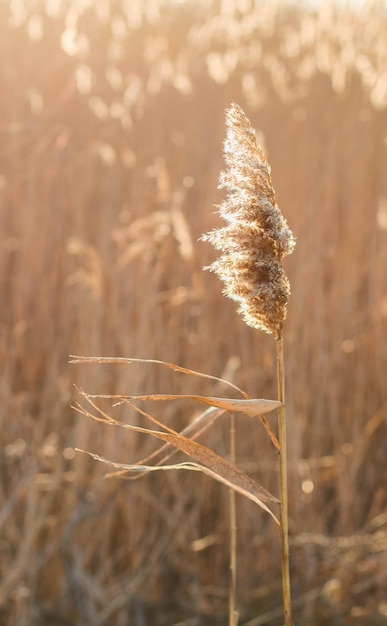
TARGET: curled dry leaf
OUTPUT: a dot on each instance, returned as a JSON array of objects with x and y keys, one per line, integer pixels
[
  {"x": 197, "y": 427},
  {"x": 210, "y": 462},
  {"x": 251, "y": 407}
]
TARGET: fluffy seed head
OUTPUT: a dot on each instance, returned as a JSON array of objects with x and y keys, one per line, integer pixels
[{"x": 256, "y": 236}]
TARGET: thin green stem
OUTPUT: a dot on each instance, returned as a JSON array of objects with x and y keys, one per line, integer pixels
[{"x": 283, "y": 488}]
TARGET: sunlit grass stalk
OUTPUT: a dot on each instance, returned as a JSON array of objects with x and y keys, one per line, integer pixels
[
  {"x": 283, "y": 484},
  {"x": 253, "y": 243},
  {"x": 233, "y": 614}
]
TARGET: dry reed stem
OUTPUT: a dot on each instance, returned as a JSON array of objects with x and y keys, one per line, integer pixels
[
  {"x": 253, "y": 243},
  {"x": 282, "y": 457},
  {"x": 233, "y": 613}
]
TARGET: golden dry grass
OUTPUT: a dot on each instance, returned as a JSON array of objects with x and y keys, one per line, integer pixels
[{"x": 111, "y": 143}]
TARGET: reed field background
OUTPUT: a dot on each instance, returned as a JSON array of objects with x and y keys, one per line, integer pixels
[{"x": 111, "y": 127}]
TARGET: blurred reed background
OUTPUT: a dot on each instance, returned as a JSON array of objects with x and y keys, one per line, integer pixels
[{"x": 111, "y": 126}]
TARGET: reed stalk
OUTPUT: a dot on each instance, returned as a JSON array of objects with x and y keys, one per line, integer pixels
[
  {"x": 253, "y": 243},
  {"x": 283, "y": 487},
  {"x": 233, "y": 614}
]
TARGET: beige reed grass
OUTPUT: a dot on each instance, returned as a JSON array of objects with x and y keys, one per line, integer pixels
[{"x": 253, "y": 243}]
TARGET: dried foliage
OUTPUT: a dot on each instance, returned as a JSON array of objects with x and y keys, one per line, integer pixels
[{"x": 111, "y": 129}]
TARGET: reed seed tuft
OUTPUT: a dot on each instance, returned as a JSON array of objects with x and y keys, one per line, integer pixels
[{"x": 256, "y": 236}]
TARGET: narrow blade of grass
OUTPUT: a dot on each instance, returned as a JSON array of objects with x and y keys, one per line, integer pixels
[{"x": 176, "y": 368}]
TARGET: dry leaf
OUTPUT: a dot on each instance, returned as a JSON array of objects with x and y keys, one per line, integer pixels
[
  {"x": 214, "y": 465},
  {"x": 248, "y": 409},
  {"x": 172, "y": 366},
  {"x": 251, "y": 407}
]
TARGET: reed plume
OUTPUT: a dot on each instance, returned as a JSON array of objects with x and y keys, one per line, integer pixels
[
  {"x": 254, "y": 242},
  {"x": 256, "y": 236}
]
